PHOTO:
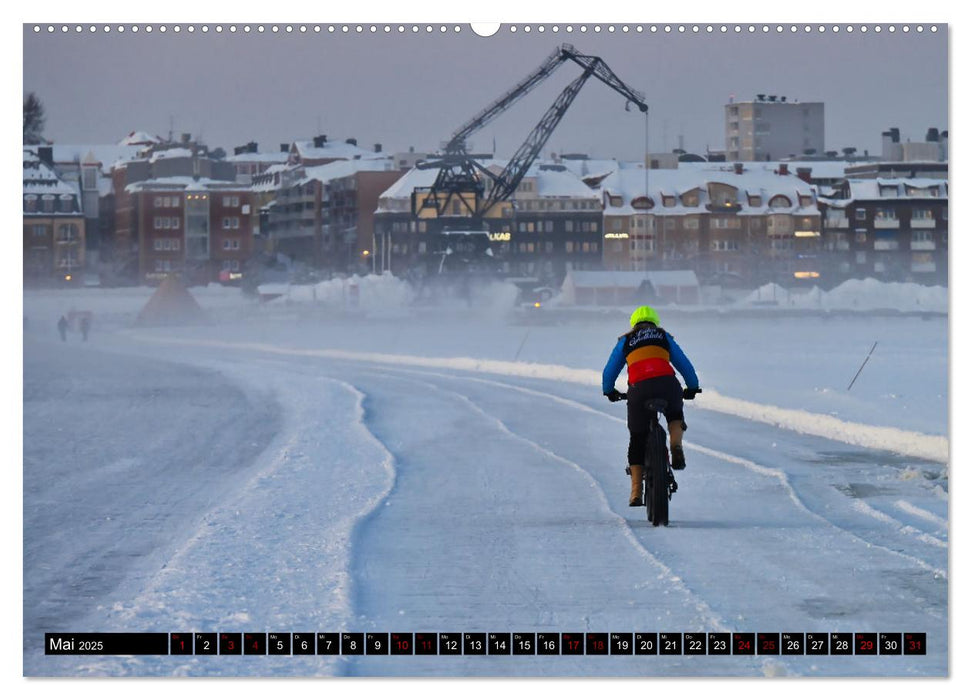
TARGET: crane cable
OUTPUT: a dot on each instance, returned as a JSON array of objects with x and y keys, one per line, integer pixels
[{"x": 647, "y": 176}]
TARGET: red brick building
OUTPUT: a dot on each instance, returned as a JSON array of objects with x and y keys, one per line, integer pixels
[{"x": 200, "y": 229}]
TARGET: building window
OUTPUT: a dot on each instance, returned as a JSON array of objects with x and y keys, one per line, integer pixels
[
  {"x": 157, "y": 244},
  {"x": 616, "y": 225},
  {"x": 39, "y": 230},
  {"x": 158, "y": 202},
  {"x": 549, "y": 246},
  {"x": 522, "y": 227},
  {"x": 47, "y": 203},
  {"x": 175, "y": 222},
  {"x": 548, "y": 226},
  {"x": 885, "y": 214},
  {"x": 158, "y": 222},
  {"x": 230, "y": 201},
  {"x": 860, "y": 214},
  {"x": 569, "y": 246},
  {"x": 780, "y": 201},
  {"x": 568, "y": 226}
]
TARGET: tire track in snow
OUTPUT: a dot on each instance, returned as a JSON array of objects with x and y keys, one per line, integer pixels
[
  {"x": 762, "y": 470},
  {"x": 702, "y": 606},
  {"x": 908, "y": 507},
  {"x": 769, "y": 666}
]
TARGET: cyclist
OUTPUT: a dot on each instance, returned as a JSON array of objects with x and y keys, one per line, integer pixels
[{"x": 649, "y": 352}]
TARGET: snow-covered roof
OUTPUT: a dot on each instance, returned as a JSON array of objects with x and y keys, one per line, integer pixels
[
  {"x": 870, "y": 189},
  {"x": 631, "y": 183},
  {"x": 40, "y": 179},
  {"x": 897, "y": 188},
  {"x": 170, "y": 153},
  {"x": 139, "y": 138},
  {"x": 344, "y": 168},
  {"x": 269, "y": 157},
  {"x": 560, "y": 183},
  {"x": 333, "y": 149},
  {"x": 679, "y": 278},
  {"x": 185, "y": 182},
  {"x": 551, "y": 181},
  {"x": 405, "y": 185}
]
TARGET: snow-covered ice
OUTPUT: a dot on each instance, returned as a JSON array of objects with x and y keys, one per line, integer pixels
[{"x": 299, "y": 467}]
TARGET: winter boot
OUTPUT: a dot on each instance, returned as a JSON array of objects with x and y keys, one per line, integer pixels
[
  {"x": 677, "y": 428},
  {"x": 677, "y": 457},
  {"x": 636, "y": 472}
]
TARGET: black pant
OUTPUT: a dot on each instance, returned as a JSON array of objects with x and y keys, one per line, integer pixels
[{"x": 639, "y": 415}]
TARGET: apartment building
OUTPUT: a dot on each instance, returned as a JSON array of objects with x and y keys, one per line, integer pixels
[
  {"x": 893, "y": 229},
  {"x": 54, "y": 225},
  {"x": 772, "y": 127},
  {"x": 551, "y": 224},
  {"x": 732, "y": 225},
  {"x": 199, "y": 229},
  {"x": 323, "y": 215}
]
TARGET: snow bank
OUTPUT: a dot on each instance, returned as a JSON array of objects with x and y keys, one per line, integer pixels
[
  {"x": 853, "y": 295},
  {"x": 907, "y": 442}
]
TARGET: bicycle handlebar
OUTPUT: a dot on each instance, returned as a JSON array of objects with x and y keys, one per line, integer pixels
[{"x": 623, "y": 394}]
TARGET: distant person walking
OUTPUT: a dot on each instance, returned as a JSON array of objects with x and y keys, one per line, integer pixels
[
  {"x": 62, "y": 328},
  {"x": 85, "y": 327}
]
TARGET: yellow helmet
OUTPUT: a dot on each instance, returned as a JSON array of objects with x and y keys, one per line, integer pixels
[{"x": 642, "y": 314}]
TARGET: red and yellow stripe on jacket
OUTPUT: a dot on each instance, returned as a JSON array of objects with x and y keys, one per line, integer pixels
[{"x": 647, "y": 353}]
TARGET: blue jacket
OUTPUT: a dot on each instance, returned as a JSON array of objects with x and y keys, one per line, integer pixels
[{"x": 618, "y": 361}]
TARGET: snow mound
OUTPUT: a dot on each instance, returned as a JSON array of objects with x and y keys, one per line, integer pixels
[
  {"x": 373, "y": 293},
  {"x": 853, "y": 295}
]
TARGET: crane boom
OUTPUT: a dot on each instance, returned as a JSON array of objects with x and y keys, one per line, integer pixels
[{"x": 460, "y": 176}]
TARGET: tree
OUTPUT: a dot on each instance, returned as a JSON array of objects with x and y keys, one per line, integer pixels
[
  {"x": 33, "y": 120},
  {"x": 217, "y": 154}
]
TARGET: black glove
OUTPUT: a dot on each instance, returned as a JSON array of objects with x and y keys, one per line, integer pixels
[
  {"x": 614, "y": 395},
  {"x": 691, "y": 393}
]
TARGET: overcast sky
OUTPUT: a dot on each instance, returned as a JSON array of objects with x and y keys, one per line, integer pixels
[{"x": 415, "y": 89}]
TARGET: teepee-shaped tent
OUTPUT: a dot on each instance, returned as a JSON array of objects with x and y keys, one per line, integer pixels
[{"x": 171, "y": 305}]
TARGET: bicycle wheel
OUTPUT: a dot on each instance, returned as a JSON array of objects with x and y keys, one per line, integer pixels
[{"x": 658, "y": 476}]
